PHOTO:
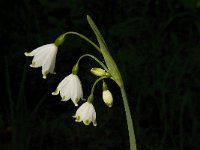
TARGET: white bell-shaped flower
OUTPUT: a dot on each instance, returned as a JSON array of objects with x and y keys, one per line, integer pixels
[
  {"x": 70, "y": 87},
  {"x": 86, "y": 113},
  {"x": 45, "y": 57}
]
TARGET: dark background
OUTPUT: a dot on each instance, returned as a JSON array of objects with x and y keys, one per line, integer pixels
[{"x": 156, "y": 47}]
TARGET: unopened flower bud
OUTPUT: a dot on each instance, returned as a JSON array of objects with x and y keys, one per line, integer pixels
[
  {"x": 107, "y": 95},
  {"x": 107, "y": 98},
  {"x": 98, "y": 72}
]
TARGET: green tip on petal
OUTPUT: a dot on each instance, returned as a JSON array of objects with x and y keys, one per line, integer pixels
[
  {"x": 63, "y": 98},
  {"x": 109, "y": 104},
  {"x": 33, "y": 64},
  {"x": 78, "y": 118},
  {"x": 45, "y": 74},
  {"x": 87, "y": 122},
  {"x": 94, "y": 122},
  {"x": 76, "y": 101},
  {"x": 55, "y": 92}
]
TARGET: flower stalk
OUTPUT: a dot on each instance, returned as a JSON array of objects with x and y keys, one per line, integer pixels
[
  {"x": 94, "y": 58},
  {"x": 95, "y": 83},
  {"x": 116, "y": 76},
  {"x": 61, "y": 39},
  {"x": 129, "y": 120}
]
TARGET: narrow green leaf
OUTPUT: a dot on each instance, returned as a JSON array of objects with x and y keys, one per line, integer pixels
[{"x": 105, "y": 52}]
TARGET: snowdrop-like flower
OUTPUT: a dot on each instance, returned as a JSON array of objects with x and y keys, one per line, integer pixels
[
  {"x": 107, "y": 98},
  {"x": 70, "y": 87},
  {"x": 45, "y": 57},
  {"x": 86, "y": 113}
]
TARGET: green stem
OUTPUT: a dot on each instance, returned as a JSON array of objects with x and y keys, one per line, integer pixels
[
  {"x": 116, "y": 76},
  {"x": 99, "y": 79},
  {"x": 129, "y": 120},
  {"x": 83, "y": 37},
  {"x": 96, "y": 59}
]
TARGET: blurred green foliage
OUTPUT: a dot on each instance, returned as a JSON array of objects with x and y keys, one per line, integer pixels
[{"x": 156, "y": 46}]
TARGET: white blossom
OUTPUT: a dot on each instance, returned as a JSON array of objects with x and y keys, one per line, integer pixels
[
  {"x": 45, "y": 57},
  {"x": 70, "y": 87},
  {"x": 86, "y": 113}
]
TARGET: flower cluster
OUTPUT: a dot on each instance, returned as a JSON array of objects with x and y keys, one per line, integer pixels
[{"x": 70, "y": 87}]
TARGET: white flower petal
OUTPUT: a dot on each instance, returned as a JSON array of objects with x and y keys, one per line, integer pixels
[
  {"x": 83, "y": 112},
  {"x": 64, "y": 93},
  {"x": 87, "y": 113},
  {"x": 53, "y": 63},
  {"x": 37, "y": 50},
  {"x": 64, "y": 82},
  {"x": 94, "y": 117},
  {"x": 80, "y": 90},
  {"x": 73, "y": 91},
  {"x": 49, "y": 63},
  {"x": 88, "y": 118},
  {"x": 46, "y": 63},
  {"x": 38, "y": 59},
  {"x": 66, "y": 90}
]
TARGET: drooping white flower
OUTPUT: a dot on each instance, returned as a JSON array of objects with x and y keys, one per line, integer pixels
[
  {"x": 45, "y": 57},
  {"x": 107, "y": 98},
  {"x": 70, "y": 87},
  {"x": 86, "y": 113}
]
